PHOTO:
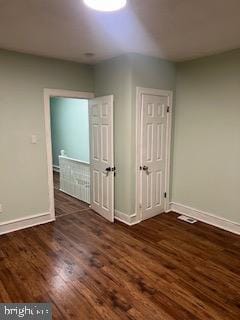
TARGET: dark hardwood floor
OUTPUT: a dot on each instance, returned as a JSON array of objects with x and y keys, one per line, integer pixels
[
  {"x": 88, "y": 268},
  {"x": 65, "y": 204}
]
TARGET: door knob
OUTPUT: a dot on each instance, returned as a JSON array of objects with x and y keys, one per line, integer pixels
[
  {"x": 107, "y": 170},
  {"x": 146, "y": 169}
]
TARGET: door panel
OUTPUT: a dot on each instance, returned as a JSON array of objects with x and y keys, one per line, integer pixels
[
  {"x": 101, "y": 154},
  {"x": 95, "y": 183},
  {"x": 153, "y": 155}
]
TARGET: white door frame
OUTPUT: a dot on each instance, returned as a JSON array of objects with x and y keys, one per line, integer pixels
[
  {"x": 139, "y": 92},
  {"x": 48, "y": 93}
]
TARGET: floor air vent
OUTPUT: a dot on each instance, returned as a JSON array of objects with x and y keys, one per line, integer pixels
[{"x": 187, "y": 219}]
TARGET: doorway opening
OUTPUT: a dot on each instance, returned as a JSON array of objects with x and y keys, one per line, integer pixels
[
  {"x": 70, "y": 154},
  {"x": 80, "y": 149}
]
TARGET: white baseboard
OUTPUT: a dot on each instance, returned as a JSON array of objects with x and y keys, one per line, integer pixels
[
  {"x": 206, "y": 217},
  {"x": 56, "y": 168},
  {"x": 130, "y": 220},
  {"x": 25, "y": 222}
]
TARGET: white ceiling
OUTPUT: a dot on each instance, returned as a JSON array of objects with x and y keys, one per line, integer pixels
[{"x": 171, "y": 29}]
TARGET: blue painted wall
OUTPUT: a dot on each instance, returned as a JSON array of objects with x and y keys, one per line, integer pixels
[{"x": 70, "y": 128}]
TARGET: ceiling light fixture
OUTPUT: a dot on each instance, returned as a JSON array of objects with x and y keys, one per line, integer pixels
[{"x": 106, "y": 5}]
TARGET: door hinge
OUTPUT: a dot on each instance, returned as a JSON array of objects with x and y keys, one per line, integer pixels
[
  {"x": 168, "y": 109},
  {"x": 165, "y": 194}
]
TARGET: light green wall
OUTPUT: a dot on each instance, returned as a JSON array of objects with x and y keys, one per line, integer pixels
[
  {"x": 206, "y": 173},
  {"x": 114, "y": 77},
  {"x": 120, "y": 76},
  {"x": 147, "y": 72},
  {"x": 23, "y": 170},
  {"x": 206, "y": 127},
  {"x": 70, "y": 128}
]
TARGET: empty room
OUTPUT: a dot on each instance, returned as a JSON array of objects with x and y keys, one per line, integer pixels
[{"x": 120, "y": 153}]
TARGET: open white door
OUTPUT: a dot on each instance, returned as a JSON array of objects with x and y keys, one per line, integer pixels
[{"x": 101, "y": 155}]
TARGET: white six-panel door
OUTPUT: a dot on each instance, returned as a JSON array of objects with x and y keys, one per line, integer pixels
[
  {"x": 153, "y": 153},
  {"x": 101, "y": 154}
]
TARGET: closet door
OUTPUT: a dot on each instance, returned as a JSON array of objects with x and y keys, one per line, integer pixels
[{"x": 153, "y": 157}]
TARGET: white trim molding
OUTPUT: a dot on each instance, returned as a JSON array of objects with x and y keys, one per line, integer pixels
[
  {"x": 68, "y": 94},
  {"x": 25, "y": 222},
  {"x": 130, "y": 220},
  {"x": 47, "y": 94},
  {"x": 139, "y": 92},
  {"x": 206, "y": 217}
]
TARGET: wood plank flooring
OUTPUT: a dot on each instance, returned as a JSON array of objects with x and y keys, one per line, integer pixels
[
  {"x": 65, "y": 204},
  {"x": 88, "y": 268}
]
